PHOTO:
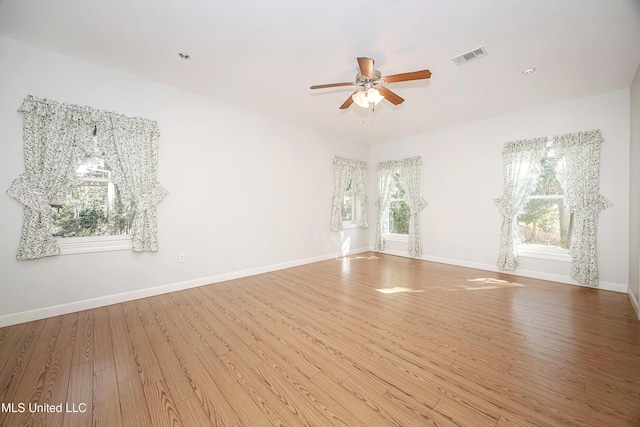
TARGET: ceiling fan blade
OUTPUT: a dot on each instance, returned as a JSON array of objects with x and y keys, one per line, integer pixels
[
  {"x": 366, "y": 67},
  {"x": 348, "y": 102},
  {"x": 415, "y": 75},
  {"x": 390, "y": 96},
  {"x": 332, "y": 85}
]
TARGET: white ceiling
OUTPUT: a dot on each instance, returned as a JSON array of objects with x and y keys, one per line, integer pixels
[{"x": 264, "y": 55}]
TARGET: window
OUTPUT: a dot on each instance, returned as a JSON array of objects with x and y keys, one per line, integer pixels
[
  {"x": 350, "y": 205},
  {"x": 540, "y": 181},
  {"x": 92, "y": 206},
  {"x": 92, "y": 217},
  {"x": 398, "y": 211},
  {"x": 349, "y": 200},
  {"x": 546, "y": 221},
  {"x": 399, "y": 204},
  {"x": 55, "y": 136}
]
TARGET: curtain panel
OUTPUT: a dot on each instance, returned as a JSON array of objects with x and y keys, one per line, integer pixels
[
  {"x": 410, "y": 180},
  {"x": 410, "y": 175},
  {"x": 521, "y": 170},
  {"x": 580, "y": 175},
  {"x": 386, "y": 170},
  {"x": 55, "y": 136},
  {"x": 345, "y": 171}
]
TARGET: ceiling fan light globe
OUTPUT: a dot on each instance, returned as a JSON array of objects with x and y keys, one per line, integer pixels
[
  {"x": 374, "y": 96},
  {"x": 360, "y": 99}
]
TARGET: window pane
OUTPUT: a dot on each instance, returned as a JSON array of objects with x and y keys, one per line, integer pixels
[
  {"x": 548, "y": 183},
  {"x": 93, "y": 206},
  {"x": 546, "y": 222},
  {"x": 93, "y": 167},
  {"x": 398, "y": 217},
  {"x": 396, "y": 190},
  {"x": 348, "y": 212}
]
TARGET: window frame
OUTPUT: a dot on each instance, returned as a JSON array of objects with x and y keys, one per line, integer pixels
[
  {"x": 355, "y": 211},
  {"x": 396, "y": 237},
  {"x": 543, "y": 251},
  {"x": 88, "y": 244},
  {"x": 97, "y": 243}
]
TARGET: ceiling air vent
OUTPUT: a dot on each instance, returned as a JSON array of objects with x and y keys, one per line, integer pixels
[{"x": 469, "y": 56}]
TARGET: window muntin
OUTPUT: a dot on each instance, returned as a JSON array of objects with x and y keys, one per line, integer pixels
[{"x": 546, "y": 222}]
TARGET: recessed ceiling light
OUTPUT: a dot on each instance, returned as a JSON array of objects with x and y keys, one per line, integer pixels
[
  {"x": 529, "y": 71},
  {"x": 184, "y": 55},
  {"x": 360, "y": 122}
]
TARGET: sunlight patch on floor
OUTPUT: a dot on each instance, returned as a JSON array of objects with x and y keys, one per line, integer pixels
[
  {"x": 398, "y": 289},
  {"x": 346, "y": 257},
  {"x": 491, "y": 283}
]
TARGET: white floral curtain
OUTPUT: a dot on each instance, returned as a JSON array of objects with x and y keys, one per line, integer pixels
[
  {"x": 410, "y": 180},
  {"x": 55, "y": 135},
  {"x": 345, "y": 170},
  {"x": 409, "y": 170},
  {"x": 359, "y": 182},
  {"x": 386, "y": 171},
  {"x": 580, "y": 176},
  {"x": 521, "y": 170},
  {"x": 130, "y": 145}
]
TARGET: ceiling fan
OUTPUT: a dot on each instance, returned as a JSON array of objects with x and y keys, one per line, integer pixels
[{"x": 370, "y": 85}]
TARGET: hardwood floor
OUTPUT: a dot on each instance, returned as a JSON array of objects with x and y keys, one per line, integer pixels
[{"x": 369, "y": 340}]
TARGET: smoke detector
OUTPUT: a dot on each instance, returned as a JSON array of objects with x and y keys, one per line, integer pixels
[{"x": 469, "y": 56}]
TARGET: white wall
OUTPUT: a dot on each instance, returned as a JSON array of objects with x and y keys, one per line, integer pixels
[
  {"x": 634, "y": 195},
  {"x": 462, "y": 174},
  {"x": 246, "y": 191}
]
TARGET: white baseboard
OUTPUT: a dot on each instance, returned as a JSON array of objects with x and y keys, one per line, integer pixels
[
  {"x": 634, "y": 302},
  {"x": 57, "y": 310},
  {"x": 607, "y": 286}
]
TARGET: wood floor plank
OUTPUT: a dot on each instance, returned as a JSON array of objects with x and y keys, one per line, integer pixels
[
  {"x": 79, "y": 396},
  {"x": 17, "y": 359},
  {"x": 173, "y": 368},
  {"x": 360, "y": 412},
  {"x": 83, "y": 351},
  {"x": 102, "y": 342},
  {"x": 369, "y": 339},
  {"x": 125, "y": 361},
  {"x": 56, "y": 377},
  {"x": 249, "y": 413},
  {"x": 132, "y": 398},
  {"x": 144, "y": 356},
  {"x": 162, "y": 406},
  {"x": 106, "y": 405},
  {"x": 211, "y": 400},
  {"x": 201, "y": 334},
  {"x": 303, "y": 390},
  {"x": 301, "y": 403},
  {"x": 31, "y": 384},
  {"x": 380, "y": 404},
  {"x": 274, "y": 406},
  {"x": 192, "y": 414},
  {"x": 10, "y": 338}
]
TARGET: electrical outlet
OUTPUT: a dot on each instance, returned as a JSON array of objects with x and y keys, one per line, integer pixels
[
  {"x": 180, "y": 257},
  {"x": 455, "y": 243}
]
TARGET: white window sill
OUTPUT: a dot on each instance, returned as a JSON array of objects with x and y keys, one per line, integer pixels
[
  {"x": 552, "y": 254},
  {"x": 83, "y": 245},
  {"x": 403, "y": 238},
  {"x": 349, "y": 224}
]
